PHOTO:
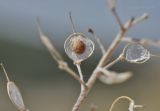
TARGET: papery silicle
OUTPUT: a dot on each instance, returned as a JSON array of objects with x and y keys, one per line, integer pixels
[
  {"x": 15, "y": 95},
  {"x": 115, "y": 77},
  {"x": 136, "y": 53},
  {"x": 83, "y": 51}
]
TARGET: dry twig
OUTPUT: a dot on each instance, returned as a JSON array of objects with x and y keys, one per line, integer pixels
[
  {"x": 106, "y": 57},
  {"x": 103, "y": 63}
]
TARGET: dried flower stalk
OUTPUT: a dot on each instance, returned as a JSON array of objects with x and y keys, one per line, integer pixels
[{"x": 103, "y": 65}]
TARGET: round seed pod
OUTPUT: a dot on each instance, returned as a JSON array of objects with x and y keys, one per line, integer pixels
[
  {"x": 78, "y": 47},
  {"x": 136, "y": 53},
  {"x": 15, "y": 96}
]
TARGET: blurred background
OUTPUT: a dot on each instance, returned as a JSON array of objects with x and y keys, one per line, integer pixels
[{"x": 43, "y": 85}]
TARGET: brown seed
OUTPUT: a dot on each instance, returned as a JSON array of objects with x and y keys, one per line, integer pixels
[{"x": 78, "y": 46}]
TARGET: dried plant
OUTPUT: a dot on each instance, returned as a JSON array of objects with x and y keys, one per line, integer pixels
[{"x": 79, "y": 48}]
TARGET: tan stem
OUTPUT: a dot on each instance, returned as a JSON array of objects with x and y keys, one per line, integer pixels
[{"x": 85, "y": 92}]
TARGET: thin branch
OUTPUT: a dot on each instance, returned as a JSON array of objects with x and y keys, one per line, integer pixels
[
  {"x": 130, "y": 23},
  {"x": 81, "y": 75},
  {"x": 79, "y": 71},
  {"x": 72, "y": 23},
  {"x": 111, "y": 48},
  {"x": 50, "y": 48},
  {"x": 140, "y": 19},
  {"x": 114, "y": 61},
  {"x": 45, "y": 40},
  {"x": 152, "y": 55},
  {"x": 5, "y": 72},
  {"x": 102, "y": 62},
  {"x": 137, "y": 20},
  {"x": 114, "y": 12},
  {"x": 64, "y": 66},
  {"x": 98, "y": 40},
  {"x": 112, "y": 6},
  {"x": 57, "y": 56}
]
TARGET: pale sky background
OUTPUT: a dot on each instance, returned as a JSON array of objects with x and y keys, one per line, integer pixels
[{"x": 17, "y": 21}]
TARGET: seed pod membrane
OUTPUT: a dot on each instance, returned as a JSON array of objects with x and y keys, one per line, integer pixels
[
  {"x": 136, "y": 53},
  {"x": 15, "y": 96},
  {"x": 78, "y": 47}
]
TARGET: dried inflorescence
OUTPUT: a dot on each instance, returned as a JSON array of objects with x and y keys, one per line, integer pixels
[{"x": 78, "y": 47}]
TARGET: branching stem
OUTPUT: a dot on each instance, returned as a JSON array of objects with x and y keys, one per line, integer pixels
[
  {"x": 64, "y": 66},
  {"x": 104, "y": 60},
  {"x": 114, "y": 62}
]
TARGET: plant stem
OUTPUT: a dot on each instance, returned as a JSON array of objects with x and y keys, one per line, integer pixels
[
  {"x": 64, "y": 66},
  {"x": 80, "y": 100},
  {"x": 102, "y": 63},
  {"x": 5, "y": 72},
  {"x": 81, "y": 76},
  {"x": 95, "y": 73},
  {"x": 84, "y": 93}
]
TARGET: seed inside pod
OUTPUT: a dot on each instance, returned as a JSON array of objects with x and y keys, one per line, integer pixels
[{"x": 78, "y": 45}]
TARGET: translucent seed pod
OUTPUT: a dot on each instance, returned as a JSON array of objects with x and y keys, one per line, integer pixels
[
  {"x": 14, "y": 92},
  {"x": 136, "y": 53},
  {"x": 78, "y": 47},
  {"x": 15, "y": 96}
]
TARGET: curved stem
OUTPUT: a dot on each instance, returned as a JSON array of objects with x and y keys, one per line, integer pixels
[
  {"x": 119, "y": 98},
  {"x": 131, "y": 106}
]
